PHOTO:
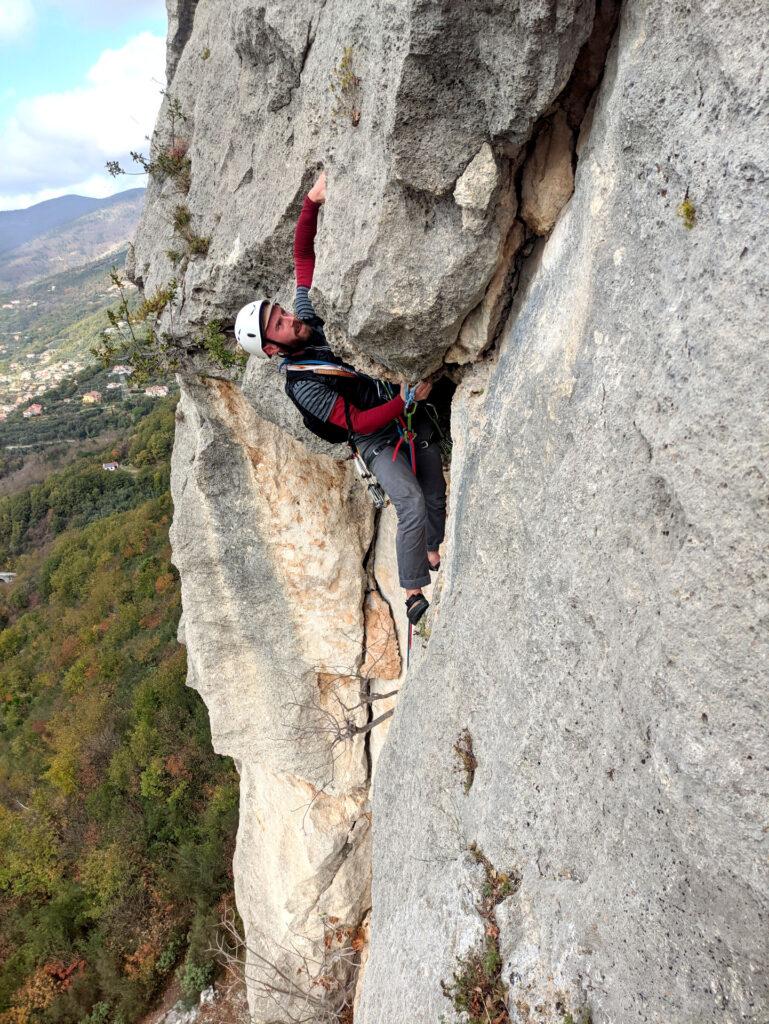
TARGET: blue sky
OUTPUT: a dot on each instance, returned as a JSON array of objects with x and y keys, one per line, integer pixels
[{"x": 80, "y": 83}]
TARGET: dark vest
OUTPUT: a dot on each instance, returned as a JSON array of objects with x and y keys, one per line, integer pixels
[{"x": 361, "y": 391}]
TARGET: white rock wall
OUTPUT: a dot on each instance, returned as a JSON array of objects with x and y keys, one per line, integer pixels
[{"x": 270, "y": 543}]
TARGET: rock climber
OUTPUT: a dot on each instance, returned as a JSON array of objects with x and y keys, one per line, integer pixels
[{"x": 339, "y": 403}]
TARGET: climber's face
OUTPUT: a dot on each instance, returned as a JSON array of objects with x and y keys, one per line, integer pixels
[{"x": 283, "y": 330}]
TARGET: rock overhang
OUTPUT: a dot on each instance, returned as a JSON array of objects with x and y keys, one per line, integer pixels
[{"x": 417, "y": 111}]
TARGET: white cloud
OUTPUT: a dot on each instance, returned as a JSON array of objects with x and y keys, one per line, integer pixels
[
  {"x": 57, "y": 142},
  {"x": 16, "y": 16}
]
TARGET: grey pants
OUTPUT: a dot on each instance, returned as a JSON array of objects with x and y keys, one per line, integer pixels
[{"x": 420, "y": 502}]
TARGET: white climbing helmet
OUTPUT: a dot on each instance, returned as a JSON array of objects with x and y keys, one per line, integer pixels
[{"x": 248, "y": 328}]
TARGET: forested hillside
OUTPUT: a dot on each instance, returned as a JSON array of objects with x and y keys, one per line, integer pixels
[{"x": 116, "y": 819}]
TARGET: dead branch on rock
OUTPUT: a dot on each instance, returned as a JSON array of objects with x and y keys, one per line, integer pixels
[
  {"x": 337, "y": 724},
  {"x": 304, "y": 989},
  {"x": 337, "y": 710}
]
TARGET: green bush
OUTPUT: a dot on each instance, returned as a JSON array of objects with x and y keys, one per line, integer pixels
[
  {"x": 193, "y": 978},
  {"x": 98, "y": 1015}
]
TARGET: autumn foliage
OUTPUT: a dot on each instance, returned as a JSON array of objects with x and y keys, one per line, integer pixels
[{"x": 116, "y": 819}]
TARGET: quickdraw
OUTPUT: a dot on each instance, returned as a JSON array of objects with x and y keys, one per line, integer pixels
[
  {"x": 405, "y": 430},
  {"x": 370, "y": 482}
]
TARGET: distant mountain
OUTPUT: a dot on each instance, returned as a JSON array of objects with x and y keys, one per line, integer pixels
[
  {"x": 20, "y": 226},
  {"x": 77, "y": 238}
]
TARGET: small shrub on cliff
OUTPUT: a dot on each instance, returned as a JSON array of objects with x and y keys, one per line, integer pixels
[
  {"x": 198, "y": 244},
  {"x": 132, "y": 337},
  {"x": 168, "y": 156},
  {"x": 320, "y": 986},
  {"x": 181, "y": 219},
  {"x": 214, "y": 341},
  {"x": 155, "y": 304},
  {"x": 345, "y": 86},
  {"x": 477, "y": 990},
  {"x": 466, "y": 760}
]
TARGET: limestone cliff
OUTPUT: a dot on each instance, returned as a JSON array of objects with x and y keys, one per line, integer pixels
[{"x": 562, "y": 205}]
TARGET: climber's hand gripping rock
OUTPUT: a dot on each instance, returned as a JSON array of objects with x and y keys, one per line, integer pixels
[{"x": 420, "y": 391}]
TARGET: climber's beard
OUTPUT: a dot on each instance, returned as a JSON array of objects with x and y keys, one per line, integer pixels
[{"x": 300, "y": 342}]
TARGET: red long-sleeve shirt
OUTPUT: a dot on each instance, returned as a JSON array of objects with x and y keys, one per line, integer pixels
[
  {"x": 364, "y": 421},
  {"x": 304, "y": 243}
]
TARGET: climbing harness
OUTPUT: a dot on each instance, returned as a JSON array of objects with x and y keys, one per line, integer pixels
[
  {"x": 318, "y": 366},
  {"x": 323, "y": 368}
]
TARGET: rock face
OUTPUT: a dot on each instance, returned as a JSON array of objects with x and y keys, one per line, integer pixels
[
  {"x": 270, "y": 541},
  {"x": 603, "y": 633},
  {"x": 398, "y": 102},
  {"x": 599, "y": 632}
]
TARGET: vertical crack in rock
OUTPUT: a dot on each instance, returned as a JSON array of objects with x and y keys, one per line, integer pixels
[
  {"x": 312, "y": 31},
  {"x": 181, "y": 20},
  {"x": 381, "y": 660},
  {"x": 541, "y": 183},
  {"x": 365, "y": 682}
]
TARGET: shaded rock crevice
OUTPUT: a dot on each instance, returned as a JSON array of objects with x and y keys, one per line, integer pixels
[
  {"x": 541, "y": 181},
  {"x": 181, "y": 20}
]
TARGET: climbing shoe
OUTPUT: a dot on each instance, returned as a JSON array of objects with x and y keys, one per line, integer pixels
[{"x": 416, "y": 606}]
